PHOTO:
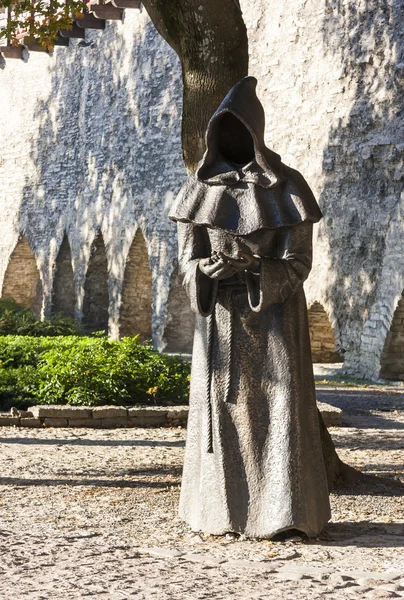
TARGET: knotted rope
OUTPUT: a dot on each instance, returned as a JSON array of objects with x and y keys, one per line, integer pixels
[{"x": 209, "y": 344}]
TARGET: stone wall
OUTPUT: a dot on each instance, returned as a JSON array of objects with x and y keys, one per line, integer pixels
[
  {"x": 64, "y": 297},
  {"x": 392, "y": 360},
  {"x": 180, "y": 324},
  {"x": 91, "y": 143},
  {"x": 22, "y": 282},
  {"x": 322, "y": 339},
  {"x": 96, "y": 296},
  {"x": 331, "y": 77},
  {"x": 95, "y": 146},
  {"x": 137, "y": 294}
]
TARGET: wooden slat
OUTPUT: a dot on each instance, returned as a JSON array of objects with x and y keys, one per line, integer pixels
[
  {"x": 12, "y": 51},
  {"x": 89, "y": 21},
  {"x": 106, "y": 11},
  {"x": 75, "y": 32},
  {"x": 36, "y": 47},
  {"x": 61, "y": 41},
  {"x": 126, "y": 3}
]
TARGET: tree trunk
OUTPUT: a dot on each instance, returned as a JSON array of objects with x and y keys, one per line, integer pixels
[
  {"x": 337, "y": 471},
  {"x": 210, "y": 39}
]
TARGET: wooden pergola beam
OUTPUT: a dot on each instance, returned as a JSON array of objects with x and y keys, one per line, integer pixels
[
  {"x": 89, "y": 21},
  {"x": 97, "y": 13}
]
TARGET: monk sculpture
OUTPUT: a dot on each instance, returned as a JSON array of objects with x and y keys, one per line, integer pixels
[{"x": 253, "y": 460}]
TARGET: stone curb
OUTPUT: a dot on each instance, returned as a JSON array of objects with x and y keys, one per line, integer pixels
[
  {"x": 98, "y": 417},
  {"x": 112, "y": 417}
]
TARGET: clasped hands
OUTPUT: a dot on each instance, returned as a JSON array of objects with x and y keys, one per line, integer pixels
[{"x": 221, "y": 266}]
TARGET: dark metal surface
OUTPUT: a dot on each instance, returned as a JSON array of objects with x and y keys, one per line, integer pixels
[{"x": 245, "y": 244}]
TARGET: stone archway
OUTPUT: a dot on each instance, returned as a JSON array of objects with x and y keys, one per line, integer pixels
[
  {"x": 392, "y": 359},
  {"x": 63, "y": 297},
  {"x": 22, "y": 281},
  {"x": 137, "y": 292},
  {"x": 180, "y": 321},
  {"x": 96, "y": 296},
  {"x": 322, "y": 339}
]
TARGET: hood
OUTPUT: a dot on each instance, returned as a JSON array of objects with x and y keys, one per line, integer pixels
[
  {"x": 238, "y": 127},
  {"x": 240, "y": 185}
]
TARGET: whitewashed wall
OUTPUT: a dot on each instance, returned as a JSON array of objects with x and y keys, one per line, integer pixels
[{"x": 91, "y": 140}]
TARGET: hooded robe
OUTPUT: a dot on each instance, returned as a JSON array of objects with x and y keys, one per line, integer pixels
[{"x": 253, "y": 458}]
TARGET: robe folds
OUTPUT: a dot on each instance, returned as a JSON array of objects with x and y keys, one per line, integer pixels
[
  {"x": 253, "y": 458},
  {"x": 266, "y": 472}
]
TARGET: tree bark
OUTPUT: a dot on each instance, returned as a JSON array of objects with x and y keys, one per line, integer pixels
[
  {"x": 337, "y": 471},
  {"x": 210, "y": 39}
]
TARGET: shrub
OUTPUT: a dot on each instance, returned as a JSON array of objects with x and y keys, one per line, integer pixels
[
  {"x": 15, "y": 319},
  {"x": 17, "y": 387},
  {"x": 88, "y": 371}
]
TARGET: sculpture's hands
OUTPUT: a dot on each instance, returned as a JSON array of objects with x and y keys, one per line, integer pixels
[
  {"x": 221, "y": 266},
  {"x": 244, "y": 262},
  {"x": 215, "y": 267}
]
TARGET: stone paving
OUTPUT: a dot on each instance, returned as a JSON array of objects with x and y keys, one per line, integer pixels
[{"x": 93, "y": 514}]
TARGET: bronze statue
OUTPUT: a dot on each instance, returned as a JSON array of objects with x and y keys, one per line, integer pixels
[{"x": 253, "y": 461}]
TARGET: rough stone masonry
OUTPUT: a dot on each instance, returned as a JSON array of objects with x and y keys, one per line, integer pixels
[{"x": 91, "y": 160}]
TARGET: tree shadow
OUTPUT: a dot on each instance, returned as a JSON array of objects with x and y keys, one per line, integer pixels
[
  {"x": 84, "y": 442},
  {"x": 110, "y": 483},
  {"x": 363, "y": 171},
  {"x": 107, "y": 156}
]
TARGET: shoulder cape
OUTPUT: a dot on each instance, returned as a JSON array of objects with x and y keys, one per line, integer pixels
[{"x": 242, "y": 207}]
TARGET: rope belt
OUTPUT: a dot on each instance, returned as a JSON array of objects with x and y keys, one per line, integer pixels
[
  {"x": 209, "y": 343},
  {"x": 227, "y": 293}
]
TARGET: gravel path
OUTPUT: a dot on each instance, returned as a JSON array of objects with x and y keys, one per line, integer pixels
[{"x": 93, "y": 514}]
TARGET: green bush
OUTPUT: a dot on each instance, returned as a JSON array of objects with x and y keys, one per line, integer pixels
[
  {"x": 15, "y": 319},
  {"x": 88, "y": 371},
  {"x": 17, "y": 387}
]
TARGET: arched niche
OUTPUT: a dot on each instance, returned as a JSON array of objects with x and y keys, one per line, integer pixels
[
  {"x": 321, "y": 336},
  {"x": 180, "y": 320},
  {"x": 63, "y": 298},
  {"x": 137, "y": 292},
  {"x": 96, "y": 296},
  {"x": 22, "y": 281},
  {"x": 392, "y": 359}
]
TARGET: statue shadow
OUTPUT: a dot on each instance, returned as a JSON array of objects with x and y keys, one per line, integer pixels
[
  {"x": 90, "y": 482},
  {"x": 84, "y": 442},
  {"x": 364, "y": 534}
]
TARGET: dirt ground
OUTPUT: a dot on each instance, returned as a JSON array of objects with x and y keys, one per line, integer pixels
[{"x": 93, "y": 514}]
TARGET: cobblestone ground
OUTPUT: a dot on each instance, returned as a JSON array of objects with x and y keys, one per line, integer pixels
[{"x": 93, "y": 514}]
